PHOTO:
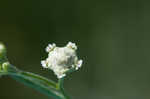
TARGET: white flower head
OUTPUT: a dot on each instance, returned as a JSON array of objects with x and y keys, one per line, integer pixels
[{"x": 62, "y": 59}]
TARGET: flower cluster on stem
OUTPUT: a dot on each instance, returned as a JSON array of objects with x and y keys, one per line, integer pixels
[{"x": 62, "y": 59}]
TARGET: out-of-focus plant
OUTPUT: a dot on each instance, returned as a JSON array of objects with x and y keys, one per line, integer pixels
[{"x": 61, "y": 60}]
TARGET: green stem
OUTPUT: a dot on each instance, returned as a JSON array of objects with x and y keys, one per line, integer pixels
[{"x": 61, "y": 88}]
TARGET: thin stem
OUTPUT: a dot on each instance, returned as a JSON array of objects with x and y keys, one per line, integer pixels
[{"x": 61, "y": 88}]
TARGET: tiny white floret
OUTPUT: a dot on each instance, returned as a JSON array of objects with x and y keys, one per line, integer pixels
[
  {"x": 72, "y": 45},
  {"x": 62, "y": 59},
  {"x": 79, "y": 64},
  {"x": 50, "y": 47},
  {"x": 44, "y": 64}
]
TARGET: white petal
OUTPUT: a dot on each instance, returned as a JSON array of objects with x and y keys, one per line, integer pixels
[
  {"x": 79, "y": 64},
  {"x": 72, "y": 45},
  {"x": 50, "y": 47},
  {"x": 44, "y": 64}
]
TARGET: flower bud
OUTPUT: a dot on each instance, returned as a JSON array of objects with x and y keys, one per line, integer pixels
[
  {"x": 2, "y": 50},
  {"x": 3, "y": 57}
]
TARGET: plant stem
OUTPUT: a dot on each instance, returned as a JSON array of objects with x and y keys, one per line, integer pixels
[{"x": 61, "y": 88}]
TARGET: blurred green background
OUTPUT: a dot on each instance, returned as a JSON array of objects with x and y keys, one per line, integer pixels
[{"x": 113, "y": 37}]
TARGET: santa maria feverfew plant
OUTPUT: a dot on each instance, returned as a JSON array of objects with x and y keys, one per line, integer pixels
[{"x": 61, "y": 60}]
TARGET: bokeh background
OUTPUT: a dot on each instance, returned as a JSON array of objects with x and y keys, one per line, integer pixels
[{"x": 113, "y": 39}]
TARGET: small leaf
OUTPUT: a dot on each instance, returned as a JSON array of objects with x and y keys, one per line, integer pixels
[
  {"x": 40, "y": 83},
  {"x": 37, "y": 82}
]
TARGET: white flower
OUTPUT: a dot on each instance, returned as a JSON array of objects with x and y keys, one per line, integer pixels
[{"x": 62, "y": 59}]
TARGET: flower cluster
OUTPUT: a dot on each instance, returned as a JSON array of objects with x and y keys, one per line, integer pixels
[{"x": 62, "y": 59}]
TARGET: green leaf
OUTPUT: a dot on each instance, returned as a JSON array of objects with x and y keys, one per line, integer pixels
[
  {"x": 3, "y": 73},
  {"x": 35, "y": 81},
  {"x": 39, "y": 83}
]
